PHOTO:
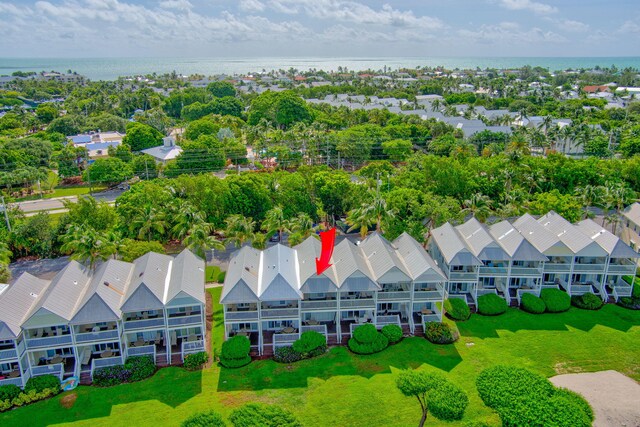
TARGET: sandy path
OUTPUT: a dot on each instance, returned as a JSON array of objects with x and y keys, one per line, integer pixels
[{"x": 615, "y": 398}]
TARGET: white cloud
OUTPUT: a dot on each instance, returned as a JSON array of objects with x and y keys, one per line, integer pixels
[
  {"x": 530, "y": 5},
  {"x": 502, "y": 34},
  {"x": 573, "y": 26},
  {"x": 176, "y": 4},
  {"x": 251, "y": 6},
  {"x": 629, "y": 27}
]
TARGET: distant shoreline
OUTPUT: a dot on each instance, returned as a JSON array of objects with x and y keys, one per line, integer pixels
[{"x": 112, "y": 68}]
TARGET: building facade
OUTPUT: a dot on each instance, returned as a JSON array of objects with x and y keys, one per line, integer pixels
[{"x": 83, "y": 320}]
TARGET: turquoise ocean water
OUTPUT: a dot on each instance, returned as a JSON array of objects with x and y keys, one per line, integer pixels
[{"x": 111, "y": 68}]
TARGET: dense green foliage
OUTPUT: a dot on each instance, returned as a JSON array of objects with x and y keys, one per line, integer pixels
[
  {"x": 440, "y": 333},
  {"x": 491, "y": 305},
  {"x": 532, "y": 304},
  {"x": 136, "y": 368},
  {"x": 392, "y": 332},
  {"x": 367, "y": 340},
  {"x": 204, "y": 419},
  {"x": 457, "y": 309},
  {"x": 9, "y": 391},
  {"x": 261, "y": 415},
  {"x": 588, "y": 301},
  {"x": 286, "y": 354},
  {"x": 310, "y": 344},
  {"x": 42, "y": 382},
  {"x": 196, "y": 360},
  {"x": 235, "y": 352},
  {"x": 555, "y": 300}
]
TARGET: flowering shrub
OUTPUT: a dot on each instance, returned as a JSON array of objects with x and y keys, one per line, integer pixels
[
  {"x": 26, "y": 397},
  {"x": 135, "y": 369},
  {"x": 196, "y": 360},
  {"x": 286, "y": 355},
  {"x": 439, "y": 333}
]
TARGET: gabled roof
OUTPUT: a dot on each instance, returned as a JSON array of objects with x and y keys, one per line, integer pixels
[
  {"x": 515, "y": 245},
  {"x": 480, "y": 241},
  {"x": 187, "y": 275},
  {"x": 243, "y": 272},
  {"x": 152, "y": 271},
  {"x": 382, "y": 256},
  {"x": 569, "y": 234},
  {"x": 348, "y": 260},
  {"x": 632, "y": 212},
  {"x": 541, "y": 238},
  {"x": 109, "y": 283},
  {"x": 66, "y": 288},
  {"x": 611, "y": 243},
  {"x": 280, "y": 278},
  {"x": 308, "y": 251},
  {"x": 419, "y": 264},
  {"x": 17, "y": 302},
  {"x": 453, "y": 249}
]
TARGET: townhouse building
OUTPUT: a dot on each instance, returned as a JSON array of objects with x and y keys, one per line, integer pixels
[{"x": 83, "y": 320}]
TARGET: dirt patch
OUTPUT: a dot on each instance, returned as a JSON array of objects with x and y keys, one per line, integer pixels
[
  {"x": 613, "y": 396},
  {"x": 68, "y": 401}
]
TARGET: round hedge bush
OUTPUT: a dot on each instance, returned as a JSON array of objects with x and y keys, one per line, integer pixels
[
  {"x": 588, "y": 301},
  {"x": 532, "y": 304},
  {"x": 555, "y": 411},
  {"x": 367, "y": 340},
  {"x": 42, "y": 382},
  {"x": 393, "y": 333},
  {"x": 499, "y": 384},
  {"x": 310, "y": 344},
  {"x": 204, "y": 419},
  {"x": 261, "y": 415},
  {"x": 195, "y": 361},
  {"x": 457, "y": 309},
  {"x": 447, "y": 402},
  {"x": 9, "y": 392},
  {"x": 556, "y": 300},
  {"x": 235, "y": 352},
  {"x": 439, "y": 333},
  {"x": 491, "y": 305}
]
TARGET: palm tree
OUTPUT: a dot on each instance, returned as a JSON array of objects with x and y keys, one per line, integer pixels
[
  {"x": 275, "y": 222},
  {"x": 199, "y": 239},
  {"x": 359, "y": 219},
  {"x": 147, "y": 221},
  {"x": 478, "y": 205},
  {"x": 259, "y": 241},
  {"x": 186, "y": 216},
  {"x": 378, "y": 211},
  {"x": 86, "y": 244},
  {"x": 587, "y": 195},
  {"x": 239, "y": 230},
  {"x": 301, "y": 225}
]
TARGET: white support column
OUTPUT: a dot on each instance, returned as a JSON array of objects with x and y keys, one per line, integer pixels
[
  {"x": 339, "y": 314},
  {"x": 570, "y": 280},
  {"x": 507, "y": 293},
  {"x": 260, "y": 337},
  {"x": 412, "y": 325}
]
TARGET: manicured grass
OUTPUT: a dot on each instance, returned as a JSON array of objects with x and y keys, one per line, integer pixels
[
  {"x": 343, "y": 389},
  {"x": 214, "y": 274}
]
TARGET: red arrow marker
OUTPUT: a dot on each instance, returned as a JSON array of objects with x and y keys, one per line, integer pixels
[{"x": 328, "y": 239}]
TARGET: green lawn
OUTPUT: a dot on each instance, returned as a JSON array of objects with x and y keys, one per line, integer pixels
[
  {"x": 214, "y": 274},
  {"x": 342, "y": 389}
]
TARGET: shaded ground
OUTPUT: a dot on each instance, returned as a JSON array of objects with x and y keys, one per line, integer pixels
[{"x": 613, "y": 396}]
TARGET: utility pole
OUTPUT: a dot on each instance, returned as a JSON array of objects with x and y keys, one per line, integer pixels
[{"x": 6, "y": 214}]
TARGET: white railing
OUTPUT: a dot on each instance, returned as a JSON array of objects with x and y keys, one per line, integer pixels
[
  {"x": 96, "y": 336},
  {"x": 185, "y": 320},
  {"x": 49, "y": 341},
  {"x": 520, "y": 292},
  {"x": 357, "y": 303},
  {"x": 11, "y": 381},
  {"x": 580, "y": 289},
  {"x": 278, "y": 312},
  {"x": 622, "y": 291},
  {"x": 241, "y": 315},
  {"x": 426, "y": 295},
  {"x": 142, "y": 350},
  {"x": 318, "y": 328},
  {"x": 318, "y": 304},
  {"x": 105, "y": 362},
  {"x": 485, "y": 291},
  {"x": 190, "y": 347},
  {"x": 435, "y": 317},
  {"x": 492, "y": 271},
  {"x": 553, "y": 267},
  {"x": 280, "y": 340},
  {"x": 57, "y": 369},
  {"x": 622, "y": 269},
  {"x": 589, "y": 267},
  {"x": 8, "y": 354},
  {"x": 21, "y": 346},
  {"x": 143, "y": 323},
  {"x": 550, "y": 285},
  {"x": 394, "y": 295},
  {"x": 388, "y": 320},
  {"x": 463, "y": 276},
  {"x": 526, "y": 271},
  {"x": 353, "y": 326}
]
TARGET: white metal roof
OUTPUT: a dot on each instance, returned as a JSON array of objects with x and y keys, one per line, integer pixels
[
  {"x": 537, "y": 235},
  {"x": 453, "y": 249},
  {"x": 242, "y": 276},
  {"x": 349, "y": 261},
  {"x": 308, "y": 251},
  {"x": 632, "y": 212},
  {"x": 280, "y": 279},
  {"x": 187, "y": 275},
  {"x": 419, "y": 264},
  {"x": 64, "y": 291},
  {"x": 571, "y": 236},
  {"x": 611, "y": 243},
  {"x": 17, "y": 302},
  {"x": 382, "y": 257},
  {"x": 480, "y": 242},
  {"x": 516, "y": 246}
]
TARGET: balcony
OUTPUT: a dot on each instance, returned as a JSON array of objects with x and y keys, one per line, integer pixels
[
  {"x": 526, "y": 271},
  {"x": 627, "y": 269},
  {"x": 318, "y": 304},
  {"x": 194, "y": 319},
  {"x": 96, "y": 336},
  {"x": 241, "y": 315},
  {"x": 143, "y": 323},
  {"x": 142, "y": 350},
  {"x": 357, "y": 303},
  {"x": 597, "y": 268},
  {"x": 49, "y": 341},
  {"x": 393, "y": 295},
  {"x": 493, "y": 271},
  {"x": 427, "y": 295},
  {"x": 56, "y": 369},
  {"x": 552, "y": 267},
  {"x": 463, "y": 276},
  {"x": 11, "y": 381},
  {"x": 8, "y": 354},
  {"x": 189, "y": 347},
  {"x": 271, "y": 313},
  {"x": 105, "y": 362}
]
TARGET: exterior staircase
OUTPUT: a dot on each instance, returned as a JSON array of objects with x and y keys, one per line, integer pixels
[{"x": 85, "y": 378}]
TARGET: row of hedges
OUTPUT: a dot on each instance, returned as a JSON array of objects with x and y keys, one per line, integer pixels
[
  {"x": 556, "y": 301},
  {"x": 235, "y": 352},
  {"x": 250, "y": 415},
  {"x": 367, "y": 340},
  {"x": 310, "y": 344},
  {"x": 521, "y": 397},
  {"x": 136, "y": 368},
  {"x": 37, "y": 388}
]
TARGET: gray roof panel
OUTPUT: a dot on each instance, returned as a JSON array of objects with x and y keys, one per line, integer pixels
[
  {"x": 453, "y": 249},
  {"x": 244, "y": 267},
  {"x": 279, "y": 278},
  {"x": 348, "y": 260},
  {"x": 187, "y": 275},
  {"x": 481, "y": 243},
  {"x": 516, "y": 246},
  {"x": 541, "y": 238},
  {"x": 569, "y": 234},
  {"x": 17, "y": 302},
  {"x": 418, "y": 262},
  {"x": 65, "y": 290},
  {"x": 308, "y": 251},
  {"x": 611, "y": 243},
  {"x": 382, "y": 256}
]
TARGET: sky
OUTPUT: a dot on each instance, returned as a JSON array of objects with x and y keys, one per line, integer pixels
[{"x": 308, "y": 28}]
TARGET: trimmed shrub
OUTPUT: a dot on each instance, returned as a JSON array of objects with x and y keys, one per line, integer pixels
[
  {"x": 140, "y": 367},
  {"x": 498, "y": 385},
  {"x": 286, "y": 355},
  {"x": 555, "y": 411},
  {"x": 235, "y": 352},
  {"x": 41, "y": 383},
  {"x": 556, "y": 300},
  {"x": 491, "y": 305},
  {"x": 448, "y": 402},
  {"x": 587, "y": 301},
  {"x": 367, "y": 340},
  {"x": 204, "y": 419},
  {"x": 310, "y": 344},
  {"x": 32, "y": 395},
  {"x": 9, "y": 392},
  {"x": 196, "y": 360},
  {"x": 261, "y": 415},
  {"x": 392, "y": 332},
  {"x": 136, "y": 368},
  {"x": 439, "y": 333},
  {"x": 630, "y": 303},
  {"x": 532, "y": 304},
  {"x": 457, "y": 309}
]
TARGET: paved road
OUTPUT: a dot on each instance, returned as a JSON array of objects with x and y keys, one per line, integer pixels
[
  {"x": 42, "y": 268},
  {"x": 55, "y": 204}
]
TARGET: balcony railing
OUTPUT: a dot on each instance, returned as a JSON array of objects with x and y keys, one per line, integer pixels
[
  {"x": 280, "y": 340},
  {"x": 557, "y": 267},
  {"x": 8, "y": 354},
  {"x": 463, "y": 276},
  {"x": 189, "y": 347},
  {"x": 241, "y": 315},
  {"x": 357, "y": 303},
  {"x": 622, "y": 269},
  {"x": 388, "y": 320},
  {"x": 143, "y": 323},
  {"x": 318, "y": 328},
  {"x": 279, "y": 312},
  {"x": 493, "y": 271},
  {"x": 11, "y": 381},
  {"x": 142, "y": 350},
  {"x": 49, "y": 341},
  {"x": 424, "y": 295},
  {"x": 57, "y": 369},
  {"x": 318, "y": 304},
  {"x": 97, "y": 336},
  {"x": 394, "y": 295},
  {"x": 185, "y": 320},
  {"x": 435, "y": 317},
  {"x": 580, "y": 289},
  {"x": 589, "y": 267},
  {"x": 105, "y": 362}
]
